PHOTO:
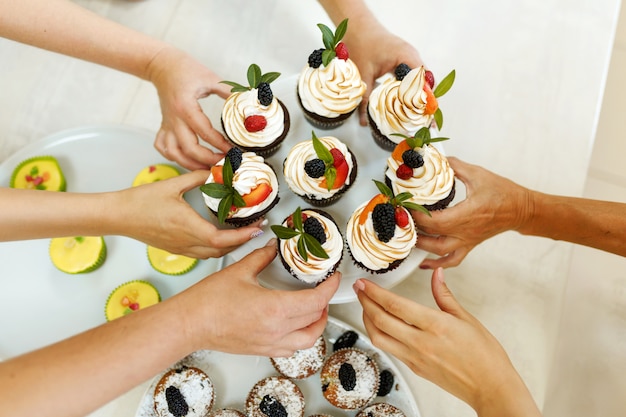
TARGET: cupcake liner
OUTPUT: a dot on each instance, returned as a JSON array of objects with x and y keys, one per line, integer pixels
[
  {"x": 245, "y": 221},
  {"x": 187, "y": 263},
  {"x": 381, "y": 140},
  {"x": 389, "y": 268},
  {"x": 21, "y": 170},
  {"x": 321, "y": 122}
]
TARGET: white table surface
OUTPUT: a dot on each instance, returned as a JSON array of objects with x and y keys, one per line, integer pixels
[{"x": 530, "y": 76}]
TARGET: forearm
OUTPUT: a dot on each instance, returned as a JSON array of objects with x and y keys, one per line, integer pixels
[
  {"x": 80, "y": 374},
  {"x": 64, "y": 27},
  {"x": 594, "y": 223}
]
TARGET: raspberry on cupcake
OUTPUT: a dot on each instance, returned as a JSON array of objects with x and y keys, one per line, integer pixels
[
  {"x": 310, "y": 245},
  {"x": 253, "y": 119},
  {"x": 417, "y": 167},
  {"x": 330, "y": 87},
  {"x": 405, "y": 102},
  {"x": 320, "y": 170},
  {"x": 241, "y": 188}
]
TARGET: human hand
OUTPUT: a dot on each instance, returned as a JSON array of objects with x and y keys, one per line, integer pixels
[
  {"x": 450, "y": 348},
  {"x": 157, "y": 214},
  {"x": 181, "y": 81},
  {"x": 229, "y": 311},
  {"x": 493, "y": 204}
]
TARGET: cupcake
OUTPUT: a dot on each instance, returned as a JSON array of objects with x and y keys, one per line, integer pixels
[
  {"x": 417, "y": 167},
  {"x": 330, "y": 86},
  {"x": 79, "y": 254},
  {"x": 227, "y": 412},
  {"x": 303, "y": 363},
  {"x": 349, "y": 379},
  {"x": 320, "y": 170},
  {"x": 405, "y": 102},
  {"x": 38, "y": 173},
  {"x": 241, "y": 188},
  {"x": 310, "y": 245},
  {"x": 170, "y": 263},
  {"x": 252, "y": 118},
  {"x": 275, "y": 396},
  {"x": 154, "y": 173},
  {"x": 130, "y": 296},
  {"x": 381, "y": 410},
  {"x": 185, "y": 391},
  {"x": 380, "y": 233}
]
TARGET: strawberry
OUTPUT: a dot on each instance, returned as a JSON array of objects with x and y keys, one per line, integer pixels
[
  {"x": 431, "y": 101},
  {"x": 216, "y": 171},
  {"x": 430, "y": 78},
  {"x": 338, "y": 157},
  {"x": 255, "y": 123},
  {"x": 402, "y": 217},
  {"x": 377, "y": 199},
  {"x": 342, "y": 51},
  {"x": 257, "y": 195},
  {"x": 290, "y": 220},
  {"x": 404, "y": 172}
]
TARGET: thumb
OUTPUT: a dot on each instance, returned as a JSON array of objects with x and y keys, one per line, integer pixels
[
  {"x": 193, "y": 179},
  {"x": 444, "y": 297},
  {"x": 259, "y": 259}
]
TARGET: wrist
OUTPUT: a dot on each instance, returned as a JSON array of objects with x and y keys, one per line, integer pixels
[{"x": 510, "y": 398}]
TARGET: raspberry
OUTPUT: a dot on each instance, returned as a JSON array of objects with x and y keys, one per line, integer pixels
[
  {"x": 235, "y": 157},
  {"x": 402, "y": 217},
  {"x": 176, "y": 403},
  {"x": 265, "y": 95},
  {"x": 315, "y": 59},
  {"x": 347, "y": 376},
  {"x": 313, "y": 227},
  {"x": 404, "y": 172},
  {"x": 314, "y": 168},
  {"x": 346, "y": 340},
  {"x": 384, "y": 219},
  {"x": 401, "y": 71},
  {"x": 412, "y": 158},
  {"x": 386, "y": 383},
  {"x": 338, "y": 157},
  {"x": 342, "y": 51},
  {"x": 255, "y": 123},
  {"x": 271, "y": 407},
  {"x": 430, "y": 78},
  {"x": 290, "y": 220}
]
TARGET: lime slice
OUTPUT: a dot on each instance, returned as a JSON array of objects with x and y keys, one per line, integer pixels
[
  {"x": 129, "y": 297},
  {"x": 169, "y": 263},
  {"x": 155, "y": 173},
  {"x": 38, "y": 173},
  {"x": 78, "y": 255}
]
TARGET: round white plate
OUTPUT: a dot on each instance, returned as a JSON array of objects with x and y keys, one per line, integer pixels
[
  {"x": 40, "y": 304},
  {"x": 371, "y": 161},
  {"x": 234, "y": 375}
]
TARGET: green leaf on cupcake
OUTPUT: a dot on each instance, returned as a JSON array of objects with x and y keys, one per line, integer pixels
[
  {"x": 226, "y": 193},
  {"x": 255, "y": 77},
  {"x": 306, "y": 243},
  {"x": 331, "y": 40},
  {"x": 421, "y": 138}
]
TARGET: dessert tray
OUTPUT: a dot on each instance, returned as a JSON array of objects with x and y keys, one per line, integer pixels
[
  {"x": 234, "y": 375},
  {"x": 93, "y": 159}
]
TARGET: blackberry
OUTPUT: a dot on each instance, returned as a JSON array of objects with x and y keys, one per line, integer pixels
[
  {"x": 235, "y": 157},
  {"x": 271, "y": 407},
  {"x": 401, "y": 71},
  {"x": 347, "y": 376},
  {"x": 384, "y": 220},
  {"x": 176, "y": 403},
  {"x": 386, "y": 383},
  {"x": 412, "y": 158},
  {"x": 313, "y": 227},
  {"x": 346, "y": 340},
  {"x": 315, "y": 168},
  {"x": 265, "y": 95},
  {"x": 315, "y": 59}
]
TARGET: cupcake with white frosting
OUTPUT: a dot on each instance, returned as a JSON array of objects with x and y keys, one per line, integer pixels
[
  {"x": 252, "y": 118},
  {"x": 380, "y": 232},
  {"x": 330, "y": 87},
  {"x": 184, "y": 391},
  {"x": 404, "y": 102},
  {"x": 320, "y": 170},
  {"x": 241, "y": 188},
  {"x": 417, "y": 167},
  {"x": 310, "y": 245}
]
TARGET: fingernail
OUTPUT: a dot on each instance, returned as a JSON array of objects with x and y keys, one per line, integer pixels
[
  {"x": 358, "y": 286},
  {"x": 271, "y": 242},
  {"x": 439, "y": 276},
  {"x": 264, "y": 223},
  {"x": 422, "y": 266},
  {"x": 256, "y": 233}
]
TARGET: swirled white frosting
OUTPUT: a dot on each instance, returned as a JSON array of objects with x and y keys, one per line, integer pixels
[
  {"x": 240, "y": 105},
  {"x": 430, "y": 183},
  {"x": 252, "y": 172},
  {"x": 399, "y": 106},
  {"x": 371, "y": 252},
  {"x": 332, "y": 90},
  {"x": 314, "y": 269},
  {"x": 298, "y": 180}
]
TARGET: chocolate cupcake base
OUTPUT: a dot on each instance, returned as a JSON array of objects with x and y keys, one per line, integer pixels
[
  {"x": 245, "y": 221},
  {"x": 389, "y": 268},
  {"x": 439, "y": 205},
  {"x": 380, "y": 139},
  {"x": 321, "y": 122}
]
